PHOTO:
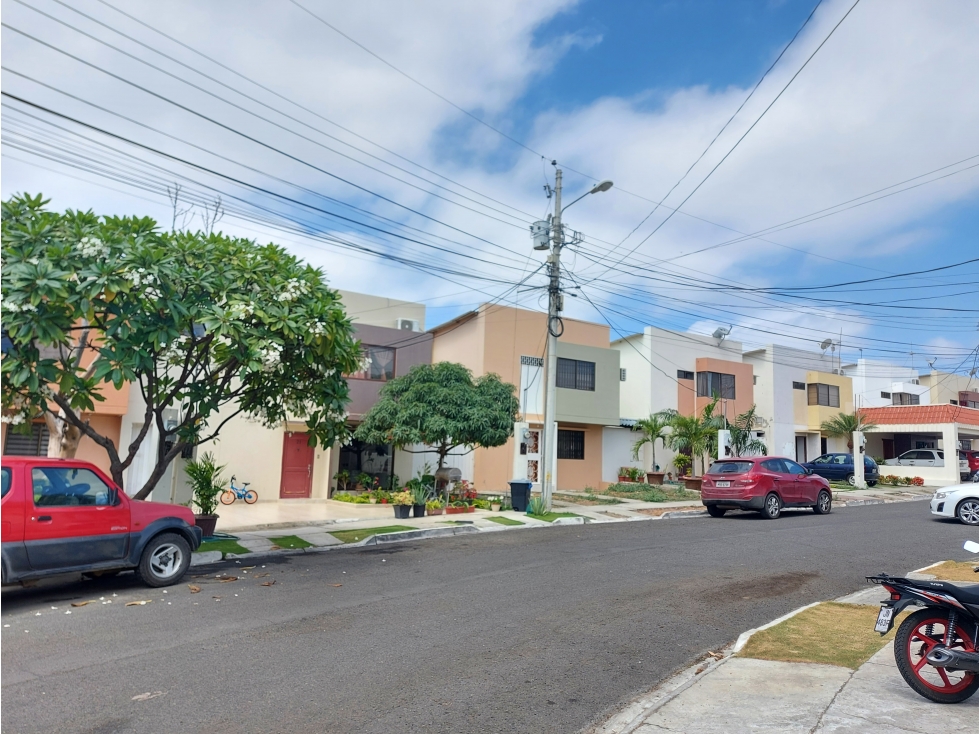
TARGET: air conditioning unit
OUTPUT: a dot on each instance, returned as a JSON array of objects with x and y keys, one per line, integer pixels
[{"x": 409, "y": 325}]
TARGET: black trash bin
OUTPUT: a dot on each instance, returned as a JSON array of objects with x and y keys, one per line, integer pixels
[{"x": 520, "y": 494}]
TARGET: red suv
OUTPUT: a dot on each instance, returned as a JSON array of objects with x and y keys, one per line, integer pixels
[
  {"x": 765, "y": 484},
  {"x": 62, "y": 516}
]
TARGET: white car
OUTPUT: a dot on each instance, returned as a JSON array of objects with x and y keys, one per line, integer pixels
[
  {"x": 959, "y": 500},
  {"x": 927, "y": 457}
]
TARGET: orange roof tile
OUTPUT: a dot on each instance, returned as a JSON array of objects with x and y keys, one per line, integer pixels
[{"x": 911, "y": 414}]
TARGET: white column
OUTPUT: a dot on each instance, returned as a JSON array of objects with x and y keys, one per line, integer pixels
[
  {"x": 858, "y": 445},
  {"x": 950, "y": 444}
]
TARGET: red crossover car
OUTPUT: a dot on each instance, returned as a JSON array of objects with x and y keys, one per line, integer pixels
[
  {"x": 62, "y": 515},
  {"x": 765, "y": 484}
]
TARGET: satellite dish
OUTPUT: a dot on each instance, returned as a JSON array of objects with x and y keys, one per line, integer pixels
[
  {"x": 931, "y": 362},
  {"x": 827, "y": 343},
  {"x": 722, "y": 331}
]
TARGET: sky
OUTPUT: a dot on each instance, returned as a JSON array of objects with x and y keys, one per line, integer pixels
[{"x": 404, "y": 148}]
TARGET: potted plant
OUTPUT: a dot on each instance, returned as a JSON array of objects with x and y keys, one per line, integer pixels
[
  {"x": 402, "y": 502},
  {"x": 419, "y": 498},
  {"x": 682, "y": 464},
  {"x": 343, "y": 479},
  {"x": 433, "y": 507},
  {"x": 207, "y": 484},
  {"x": 496, "y": 503},
  {"x": 624, "y": 475},
  {"x": 653, "y": 429},
  {"x": 383, "y": 496}
]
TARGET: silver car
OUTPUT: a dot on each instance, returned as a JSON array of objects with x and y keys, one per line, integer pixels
[{"x": 926, "y": 457}]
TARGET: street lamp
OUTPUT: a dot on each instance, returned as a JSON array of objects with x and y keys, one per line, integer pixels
[{"x": 555, "y": 306}]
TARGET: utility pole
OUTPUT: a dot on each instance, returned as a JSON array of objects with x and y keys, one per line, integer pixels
[{"x": 555, "y": 327}]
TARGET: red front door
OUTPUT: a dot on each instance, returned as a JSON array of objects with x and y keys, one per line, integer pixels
[{"x": 297, "y": 466}]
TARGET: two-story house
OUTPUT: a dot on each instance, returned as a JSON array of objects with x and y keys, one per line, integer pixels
[
  {"x": 511, "y": 342},
  {"x": 670, "y": 370}
]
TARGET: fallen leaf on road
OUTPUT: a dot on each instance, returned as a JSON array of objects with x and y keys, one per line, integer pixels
[
  {"x": 247, "y": 568},
  {"x": 216, "y": 598},
  {"x": 715, "y": 654},
  {"x": 275, "y": 547},
  {"x": 82, "y": 603},
  {"x": 226, "y": 579},
  {"x": 260, "y": 575},
  {"x": 194, "y": 588},
  {"x": 139, "y": 603},
  {"x": 147, "y": 696},
  {"x": 268, "y": 583},
  {"x": 336, "y": 585}
]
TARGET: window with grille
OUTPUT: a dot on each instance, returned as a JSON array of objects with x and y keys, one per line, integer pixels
[
  {"x": 828, "y": 395},
  {"x": 886, "y": 395},
  {"x": 33, "y": 444},
  {"x": 710, "y": 384},
  {"x": 570, "y": 444},
  {"x": 798, "y": 385},
  {"x": 684, "y": 375},
  {"x": 575, "y": 374}
]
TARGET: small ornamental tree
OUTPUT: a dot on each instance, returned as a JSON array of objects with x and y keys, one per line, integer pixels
[
  {"x": 743, "y": 443},
  {"x": 195, "y": 323},
  {"x": 442, "y": 406}
]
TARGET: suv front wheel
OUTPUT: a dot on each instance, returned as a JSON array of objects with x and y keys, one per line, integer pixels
[{"x": 165, "y": 560}]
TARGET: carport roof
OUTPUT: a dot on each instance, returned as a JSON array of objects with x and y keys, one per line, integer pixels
[{"x": 923, "y": 414}]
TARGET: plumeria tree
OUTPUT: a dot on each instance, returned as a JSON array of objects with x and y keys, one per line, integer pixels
[{"x": 206, "y": 327}]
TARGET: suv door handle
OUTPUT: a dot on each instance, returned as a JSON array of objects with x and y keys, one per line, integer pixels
[{"x": 42, "y": 518}]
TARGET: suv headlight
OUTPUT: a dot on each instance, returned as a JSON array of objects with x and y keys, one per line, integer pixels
[{"x": 940, "y": 495}]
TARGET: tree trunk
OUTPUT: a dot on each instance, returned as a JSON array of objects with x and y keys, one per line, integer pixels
[{"x": 63, "y": 437}]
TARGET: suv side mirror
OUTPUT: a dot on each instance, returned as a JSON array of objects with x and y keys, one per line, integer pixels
[{"x": 808, "y": 470}]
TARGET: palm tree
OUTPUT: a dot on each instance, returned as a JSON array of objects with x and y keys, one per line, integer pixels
[
  {"x": 742, "y": 442},
  {"x": 696, "y": 435},
  {"x": 844, "y": 425},
  {"x": 653, "y": 428}
]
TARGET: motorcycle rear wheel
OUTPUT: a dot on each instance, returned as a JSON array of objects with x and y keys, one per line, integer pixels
[{"x": 916, "y": 636}]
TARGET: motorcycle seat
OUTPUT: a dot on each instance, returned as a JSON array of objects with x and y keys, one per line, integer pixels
[{"x": 965, "y": 593}]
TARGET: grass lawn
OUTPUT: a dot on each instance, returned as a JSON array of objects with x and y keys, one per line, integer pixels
[
  {"x": 831, "y": 634},
  {"x": 291, "y": 542},
  {"x": 651, "y": 492},
  {"x": 955, "y": 571},
  {"x": 552, "y": 516},
  {"x": 586, "y": 499},
  {"x": 352, "y": 536},
  {"x": 225, "y": 546},
  {"x": 505, "y": 521}
]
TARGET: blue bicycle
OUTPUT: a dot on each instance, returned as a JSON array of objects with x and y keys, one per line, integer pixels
[{"x": 229, "y": 496}]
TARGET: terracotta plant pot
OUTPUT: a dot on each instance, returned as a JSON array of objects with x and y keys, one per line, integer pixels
[
  {"x": 402, "y": 512},
  {"x": 206, "y": 523},
  {"x": 624, "y": 480},
  {"x": 435, "y": 512},
  {"x": 655, "y": 477},
  {"x": 457, "y": 510},
  {"x": 692, "y": 483},
  {"x": 383, "y": 501}
]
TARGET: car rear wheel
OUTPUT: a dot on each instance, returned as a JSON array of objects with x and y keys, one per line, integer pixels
[
  {"x": 165, "y": 560},
  {"x": 824, "y": 503},
  {"x": 968, "y": 512},
  {"x": 715, "y": 511},
  {"x": 851, "y": 480},
  {"x": 872, "y": 484},
  {"x": 773, "y": 507}
]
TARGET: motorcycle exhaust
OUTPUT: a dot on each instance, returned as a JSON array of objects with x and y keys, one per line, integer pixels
[{"x": 942, "y": 657}]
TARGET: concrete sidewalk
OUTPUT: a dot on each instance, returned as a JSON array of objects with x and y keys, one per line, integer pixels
[{"x": 747, "y": 694}]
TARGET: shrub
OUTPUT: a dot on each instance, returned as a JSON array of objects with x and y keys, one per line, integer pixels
[
  {"x": 918, "y": 482},
  {"x": 206, "y": 482},
  {"x": 536, "y": 506},
  {"x": 344, "y": 497}
]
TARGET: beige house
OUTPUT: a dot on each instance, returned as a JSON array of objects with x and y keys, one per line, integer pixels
[
  {"x": 511, "y": 343},
  {"x": 946, "y": 388},
  {"x": 278, "y": 462}
]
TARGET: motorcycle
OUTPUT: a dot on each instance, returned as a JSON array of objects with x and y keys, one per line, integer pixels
[{"x": 936, "y": 647}]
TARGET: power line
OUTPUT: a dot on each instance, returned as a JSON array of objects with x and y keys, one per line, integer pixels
[{"x": 743, "y": 136}]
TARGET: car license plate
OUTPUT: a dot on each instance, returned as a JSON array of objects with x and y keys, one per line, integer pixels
[
  {"x": 884, "y": 620},
  {"x": 723, "y": 484}
]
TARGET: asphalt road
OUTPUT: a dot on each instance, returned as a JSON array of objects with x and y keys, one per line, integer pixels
[{"x": 524, "y": 631}]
